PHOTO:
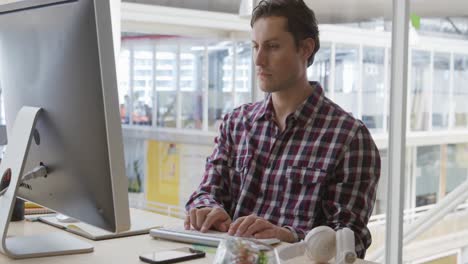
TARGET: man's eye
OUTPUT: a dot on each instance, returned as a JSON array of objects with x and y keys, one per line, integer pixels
[{"x": 273, "y": 46}]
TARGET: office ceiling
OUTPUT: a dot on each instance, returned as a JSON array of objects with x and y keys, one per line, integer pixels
[
  {"x": 329, "y": 11},
  {"x": 225, "y": 6},
  {"x": 334, "y": 11},
  {"x": 444, "y": 17},
  {"x": 448, "y": 16}
]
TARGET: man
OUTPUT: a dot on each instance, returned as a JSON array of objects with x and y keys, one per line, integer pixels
[{"x": 294, "y": 161}]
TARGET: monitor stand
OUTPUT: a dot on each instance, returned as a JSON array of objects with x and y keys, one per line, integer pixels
[{"x": 49, "y": 244}]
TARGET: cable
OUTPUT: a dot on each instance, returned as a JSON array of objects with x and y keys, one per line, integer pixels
[{"x": 37, "y": 172}]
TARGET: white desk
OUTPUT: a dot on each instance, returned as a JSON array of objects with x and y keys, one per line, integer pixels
[{"x": 115, "y": 251}]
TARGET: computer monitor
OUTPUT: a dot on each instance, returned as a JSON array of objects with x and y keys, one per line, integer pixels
[{"x": 57, "y": 71}]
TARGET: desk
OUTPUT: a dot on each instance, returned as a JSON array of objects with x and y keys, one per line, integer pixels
[{"x": 115, "y": 251}]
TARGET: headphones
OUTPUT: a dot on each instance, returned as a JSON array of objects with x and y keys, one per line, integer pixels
[{"x": 322, "y": 244}]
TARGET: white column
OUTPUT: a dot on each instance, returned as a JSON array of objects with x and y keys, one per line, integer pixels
[{"x": 397, "y": 133}]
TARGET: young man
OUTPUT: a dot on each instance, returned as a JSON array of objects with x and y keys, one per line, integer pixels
[{"x": 294, "y": 161}]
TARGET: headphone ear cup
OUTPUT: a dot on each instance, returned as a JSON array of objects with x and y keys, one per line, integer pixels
[{"x": 320, "y": 244}]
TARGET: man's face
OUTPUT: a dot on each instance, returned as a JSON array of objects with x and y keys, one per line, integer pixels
[{"x": 279, "y": 63}]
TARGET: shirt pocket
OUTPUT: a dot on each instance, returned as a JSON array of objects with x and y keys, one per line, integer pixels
[
  {"x": 305, "y": 175},
  {"x": 302, "y": 196}
]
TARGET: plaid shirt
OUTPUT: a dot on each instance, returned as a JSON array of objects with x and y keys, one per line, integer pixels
[{"x": 323, "y": 169}]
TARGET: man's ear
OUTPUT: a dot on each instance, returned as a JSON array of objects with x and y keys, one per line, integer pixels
[{"x": 307, "y": 48}]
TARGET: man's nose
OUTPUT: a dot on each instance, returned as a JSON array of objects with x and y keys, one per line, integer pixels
[{"x": 260, "y": 57}]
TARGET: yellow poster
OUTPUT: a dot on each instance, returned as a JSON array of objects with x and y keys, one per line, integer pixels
[{"x": 163, "y": 173}]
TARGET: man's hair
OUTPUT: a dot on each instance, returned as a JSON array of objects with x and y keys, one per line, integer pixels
[{"x": 301, "y": 20}]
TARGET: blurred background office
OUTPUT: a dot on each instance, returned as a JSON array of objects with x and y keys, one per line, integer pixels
[{"x": 183, "y": 64}]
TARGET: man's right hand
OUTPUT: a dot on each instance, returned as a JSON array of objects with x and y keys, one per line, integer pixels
[{"x": 206, "y": 218}]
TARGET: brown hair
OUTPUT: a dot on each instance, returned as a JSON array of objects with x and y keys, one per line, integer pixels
[{"x": 300, "y": 18}]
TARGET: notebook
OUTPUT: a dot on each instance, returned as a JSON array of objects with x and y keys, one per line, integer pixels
[
  {"x": 34, "y": 209},
  {"x": 141, "y": 222}
]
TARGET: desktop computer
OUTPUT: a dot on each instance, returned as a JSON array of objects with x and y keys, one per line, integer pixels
[{"x": 57, "y": 72}]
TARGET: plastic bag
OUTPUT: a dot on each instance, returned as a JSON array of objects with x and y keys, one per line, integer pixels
[{"x": 236, "y": 250}]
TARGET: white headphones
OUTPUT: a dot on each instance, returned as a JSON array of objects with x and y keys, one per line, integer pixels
[{"x": 322, "y": 244}]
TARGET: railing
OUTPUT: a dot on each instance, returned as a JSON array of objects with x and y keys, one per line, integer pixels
[
  {"x": 410, "y": 215},
  {"x": 138, "y": 201}
]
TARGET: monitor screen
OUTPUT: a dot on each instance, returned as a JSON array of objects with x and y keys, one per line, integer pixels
[{"x": 59, "y": 56}]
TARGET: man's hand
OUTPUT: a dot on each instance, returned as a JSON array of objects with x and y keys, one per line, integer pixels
[
  {"x": 206, "y": 218},
  {"x": 257, "y": 227}
]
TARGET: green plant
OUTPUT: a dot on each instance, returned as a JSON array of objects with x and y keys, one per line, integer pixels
[{"x": 134, "y": 183}]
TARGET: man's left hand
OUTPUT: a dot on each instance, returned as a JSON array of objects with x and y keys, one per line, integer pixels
[{"x": 257, "y": 227}]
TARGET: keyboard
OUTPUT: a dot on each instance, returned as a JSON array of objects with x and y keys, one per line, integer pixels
[{"x": 210, "y": 238}]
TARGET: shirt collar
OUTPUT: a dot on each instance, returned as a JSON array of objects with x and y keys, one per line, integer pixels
[
  {"x": 265, "y": 112},
  {"x": 307, "y": 110},
  {"x": 302, "y": 114}
]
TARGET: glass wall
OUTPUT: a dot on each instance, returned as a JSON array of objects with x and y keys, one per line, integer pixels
[
  {"x": 142, "y": 85},
  {"x": 460, "y": 90},
  {"x": 456, "y": 169},
  {"x": 167, "y": 62},
  {"x": 182, "y": 83},
  {"x": 220, "y": 81},
  {"x": 441, "y": 99},
  {"x": 321, "y": 68},
  {"x": 428, "y": 162},
  {"x": 361, "y": 81},
  {"x": 437, "y": 114},
  {"x": 192, "y": 83},
  {"x": 243, "y": 75},
  {"x": 347, "y": 78},
  {"x": 123, "y": 77},
  {"x": 374, "y": 88},
  {"x": 420, "y": 87}
]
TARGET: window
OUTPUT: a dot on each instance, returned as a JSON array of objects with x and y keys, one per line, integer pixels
[
  {"x": 373, "y": 88},
  {"x": 420, "y": 97},
  {"x": 346, "y": 78},
  {"x": 183, "y": 83},
  {"x": 124, "y": 85},
  {"x": 441, "y": 91},
  {"x": 166, "y": 83},
  {"x": 456, "y": 166},
  {"x": 142, "y": 86},
  {"x": 192, "y": 83},
  {"x": 220, "y": 81},
  {"x": 427, "y": 174},
  {"x": 321, "y": 68},
  {"x": 460, "y": 90},
  {"x": 243, "y": 77}
]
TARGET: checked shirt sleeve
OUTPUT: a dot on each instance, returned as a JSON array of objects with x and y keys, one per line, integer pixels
[
  {"x": 351, "y": 192},
  {"x": 213, "y": 191}
]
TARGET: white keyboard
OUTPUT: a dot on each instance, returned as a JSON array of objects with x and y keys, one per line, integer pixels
[{"x": 210, "y": 238}]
